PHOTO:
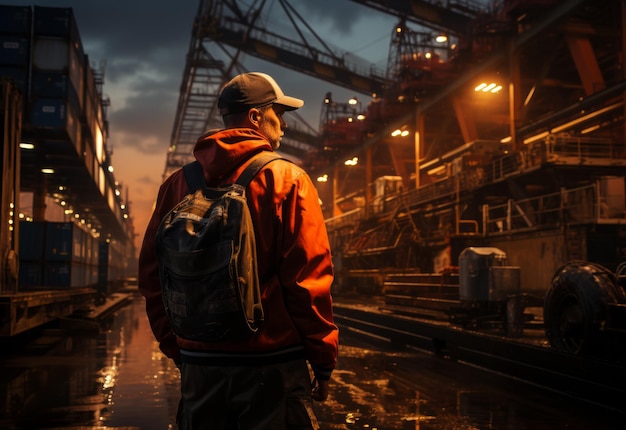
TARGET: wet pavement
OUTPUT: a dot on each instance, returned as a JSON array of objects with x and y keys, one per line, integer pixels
[{"x": 118, "y": 379}]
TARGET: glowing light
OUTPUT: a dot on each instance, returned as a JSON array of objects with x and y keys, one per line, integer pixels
[
  {"x": 323, "y": 178},
  {"x": 352, "y": 162},
  {"x": 402, "y": 132},
  {"x": 488, "y": 88}
]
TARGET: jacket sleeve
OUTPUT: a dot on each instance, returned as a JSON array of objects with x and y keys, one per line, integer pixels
[
  {"x": 306, "y": 274},
  {"x": 148, "y": 277}
]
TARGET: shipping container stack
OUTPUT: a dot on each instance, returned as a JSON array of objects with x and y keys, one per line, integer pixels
[
  {"x": 56, "y": 255},
  {"x": 15, "y": 34},
  {"x": 42, "y": 54}
]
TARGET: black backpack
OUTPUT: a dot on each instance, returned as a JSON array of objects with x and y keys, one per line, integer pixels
[{"x": 206, "y": 251}]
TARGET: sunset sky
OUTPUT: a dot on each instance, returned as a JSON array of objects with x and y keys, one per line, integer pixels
[{"x": 141, "y": 46}]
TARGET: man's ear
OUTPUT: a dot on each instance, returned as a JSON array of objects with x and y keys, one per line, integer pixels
[{"x": 254, "y": 116}]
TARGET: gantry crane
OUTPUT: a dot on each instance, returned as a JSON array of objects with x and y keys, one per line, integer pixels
[{"x": 222, "y": 24}]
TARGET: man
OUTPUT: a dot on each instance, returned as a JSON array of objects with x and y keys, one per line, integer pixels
[{"x": 262, "y": 382}]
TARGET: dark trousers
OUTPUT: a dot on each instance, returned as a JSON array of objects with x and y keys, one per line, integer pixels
[{"x": 267, "y": 397}]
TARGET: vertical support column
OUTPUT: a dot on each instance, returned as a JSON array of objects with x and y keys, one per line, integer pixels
[
  {"x": 39, "y": 199},
  {"x": 10, "y": 132},
  {"x": 419, "y": 140},
  {"x": 335, "y": 192},
  {"x": 623, "y": 57},
  {"x": 514, "y": 97},
  {"x": 368, "y": 179}
]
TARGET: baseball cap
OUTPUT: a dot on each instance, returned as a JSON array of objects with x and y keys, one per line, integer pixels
[{"x": 253, "y": 89}]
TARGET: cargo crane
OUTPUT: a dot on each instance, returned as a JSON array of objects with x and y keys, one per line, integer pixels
[
  {"x": 223, "y": 24},
  {"x": 453, "y": 17}
]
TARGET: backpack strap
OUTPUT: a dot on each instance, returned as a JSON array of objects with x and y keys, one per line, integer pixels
[
  {"x": 194, "y": 175},
  {"x": 253, "y": 168}
]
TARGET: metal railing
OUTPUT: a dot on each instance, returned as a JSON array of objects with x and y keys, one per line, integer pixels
[
  {"x": 526, "y": 213},
  {"x": 582, "y": 205}
]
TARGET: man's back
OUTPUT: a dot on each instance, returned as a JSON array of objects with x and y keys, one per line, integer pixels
[{"x": 261, "y": 382}]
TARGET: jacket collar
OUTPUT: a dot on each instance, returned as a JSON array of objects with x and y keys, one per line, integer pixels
[{"x": 221, "y": 152}]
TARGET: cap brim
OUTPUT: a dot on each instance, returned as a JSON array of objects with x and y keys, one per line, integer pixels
[{"x": 290, "y": 103}]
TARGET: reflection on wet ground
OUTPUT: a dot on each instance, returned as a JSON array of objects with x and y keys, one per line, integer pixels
[
  {"x": 118, "y": 378},
  {"x": 376, "y": 387},
  {"x": 115, "y": 378}
]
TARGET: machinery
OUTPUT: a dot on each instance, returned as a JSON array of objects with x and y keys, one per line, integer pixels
[{"x": 583, "y": 311}]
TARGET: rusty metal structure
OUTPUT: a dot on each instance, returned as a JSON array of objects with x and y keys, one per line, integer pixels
[
  {"x": 552, "y": 124},
  {"x": 496, "y": 124}
]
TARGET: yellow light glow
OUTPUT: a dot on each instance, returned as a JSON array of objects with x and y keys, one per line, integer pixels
[
  {"x": 488, "y": 88},
  {"x": 352, "y": 162}
]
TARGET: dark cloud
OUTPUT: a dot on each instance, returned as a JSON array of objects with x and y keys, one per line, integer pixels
[
  {"x": 343, "y": 15},
  {"x": 126, "y": 28}
]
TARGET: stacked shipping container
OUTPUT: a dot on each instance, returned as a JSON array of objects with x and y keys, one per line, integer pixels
[
  {"x": 56, "y": 255},
  {"x": 42, "y": 53}
]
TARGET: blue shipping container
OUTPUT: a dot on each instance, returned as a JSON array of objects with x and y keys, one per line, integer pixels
[
  {"x": 15, "y": 19},
  {"x": 14, "y": 50},
  {"x": 30, "y": 275},
  {"x": 54, "y": 21},
  {"x": 58, "y": 275},
  {"x": 60, "y": 238},
  {"x": 32, "y": 239},
  {"x": 50, "y": 84},
  {"x": 49, "y": 113}
]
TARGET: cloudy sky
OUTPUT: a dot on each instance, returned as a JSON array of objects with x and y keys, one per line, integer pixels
[{"x": 141, "y": 46}]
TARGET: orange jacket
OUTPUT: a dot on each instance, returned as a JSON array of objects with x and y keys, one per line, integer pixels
[{"x": 293, "y": 253}]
